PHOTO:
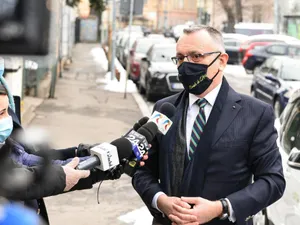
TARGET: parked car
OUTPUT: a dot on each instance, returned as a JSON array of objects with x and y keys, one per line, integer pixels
[
  {"x": 275, "y": 81},
  {"x": 125, "y": 46},
  {"x": 159, "y": 75},
  {"x": 155, "y": 36},
  {"x": 255, "y": 57},
  {"x": 266, "y": 38},
  {"x": 232, "y": 44},
  {"x": 254, "y": 28},
  {"x": 286, "y": 210},
  {"x": 139, "y": 51}
]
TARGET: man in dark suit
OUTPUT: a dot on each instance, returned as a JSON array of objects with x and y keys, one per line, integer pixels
[{"x": 201, "y": 171}]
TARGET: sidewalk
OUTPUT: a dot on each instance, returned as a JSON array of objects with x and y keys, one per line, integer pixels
[{"x": 84, "y": 112}]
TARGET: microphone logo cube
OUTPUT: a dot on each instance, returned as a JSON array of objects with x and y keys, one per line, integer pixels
[
  {"x": 163, "y": 123},
  {"x": 139, "y": 144},
  {"x": 108, "y": 155}
]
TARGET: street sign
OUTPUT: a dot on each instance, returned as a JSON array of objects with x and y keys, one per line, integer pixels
[{"x": 137, "y": 8}]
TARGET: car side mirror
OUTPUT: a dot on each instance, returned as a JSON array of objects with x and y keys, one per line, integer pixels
[
  {"x": 271, "y": 78},
  {"x": 294, "y": 158}
]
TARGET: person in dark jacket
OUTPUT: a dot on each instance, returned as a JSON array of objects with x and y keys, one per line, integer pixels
[{"x": 219, "y": 164}]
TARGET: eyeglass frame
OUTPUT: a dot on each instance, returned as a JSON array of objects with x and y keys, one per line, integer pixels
[{"x": 201, "y": 54}]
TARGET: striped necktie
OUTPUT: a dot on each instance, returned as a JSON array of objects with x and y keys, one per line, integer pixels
[{"x": 198, "y": 127}]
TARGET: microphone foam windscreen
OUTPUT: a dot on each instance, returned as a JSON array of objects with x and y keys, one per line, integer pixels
[
  {"x": 150, "y": 129},
  {"x": 124, "y": 147},
  {"x": 149, "y": 137},
  {"x": 140, "y": 123},
  {"x": 167, "y": 109}
]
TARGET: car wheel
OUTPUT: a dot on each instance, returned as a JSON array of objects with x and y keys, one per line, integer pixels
[
  {"x": 253, "y": 94},
  {"x": 149, "y": 94},
  {"x": 261, "y": 218},
  {"x": 141, "y": 89},
  {"x": 277, "y": 108}
]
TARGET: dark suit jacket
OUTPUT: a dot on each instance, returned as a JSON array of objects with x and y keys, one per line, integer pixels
[{"x": 239, "y": 141}]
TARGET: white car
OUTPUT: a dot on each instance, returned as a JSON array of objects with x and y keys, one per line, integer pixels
[{"x": 286, "y": 211}]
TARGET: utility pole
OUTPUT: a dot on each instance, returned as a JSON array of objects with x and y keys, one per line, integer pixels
[
  {"x": 113, "y": 43},
  {"x": 276, "y": 16},
  {"x": 166, "y": 16},
  {"x": 199, "y": 11},
  {"x": 129, "y": 34}
]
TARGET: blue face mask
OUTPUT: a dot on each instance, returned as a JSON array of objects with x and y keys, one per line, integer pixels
[{"x": 6, "y": 127}]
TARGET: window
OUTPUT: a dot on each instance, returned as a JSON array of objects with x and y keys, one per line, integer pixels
[
  {"x": 277, "y": 50},
  {"x": 231, "y": 43},
  {"x": 276, "y": 64},
  {"x": 181, "y": 4},
  {"x": 291, "y": 136},
  {"x": 292, "y": 51},
  {"x": 265, "y": 68},
  {"x": 290, "y": 70}
]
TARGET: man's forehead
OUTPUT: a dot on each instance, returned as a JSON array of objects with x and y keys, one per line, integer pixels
[{"x": 198, "y": 41}]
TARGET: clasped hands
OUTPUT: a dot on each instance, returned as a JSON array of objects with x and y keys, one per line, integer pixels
[{"x": 180, "y": 210}]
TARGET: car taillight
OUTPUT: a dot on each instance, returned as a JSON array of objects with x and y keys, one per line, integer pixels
[
  {"x": 135, "y": 68},
  {"x": 247, "y": 55}
]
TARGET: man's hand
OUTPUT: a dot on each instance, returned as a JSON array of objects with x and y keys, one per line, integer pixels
[
  {"x": 72, "y": 175},
  {"x": 203, "y": 211},
  {"x": 168, "y": 206},
  {"x": 145, "y": 157}
]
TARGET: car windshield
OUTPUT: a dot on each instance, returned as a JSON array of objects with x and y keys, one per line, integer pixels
[
  {"x": 163, "y": 54},
  {"x": 290, "y": 70}
]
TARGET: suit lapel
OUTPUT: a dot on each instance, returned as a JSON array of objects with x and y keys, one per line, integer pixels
[{"x": 230, "y": 110}]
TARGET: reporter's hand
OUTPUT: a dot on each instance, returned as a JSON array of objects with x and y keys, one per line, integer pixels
[
  {"x": 115, "y": 173},
  {"x": 73, "y": 175},
  {"x": 84, "y": 149}
]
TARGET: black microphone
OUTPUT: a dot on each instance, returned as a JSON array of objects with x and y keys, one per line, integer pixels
[
  {"x": 140, "y": 139},
  {"x": 106, "y": 156},
  {"x": 158, "y": 122},
  {"x": 140, "y": 123}
]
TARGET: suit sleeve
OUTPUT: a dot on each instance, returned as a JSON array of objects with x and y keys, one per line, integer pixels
[
  {"x": 145, "y": 180},
  {"x": 265, "y": 164}
]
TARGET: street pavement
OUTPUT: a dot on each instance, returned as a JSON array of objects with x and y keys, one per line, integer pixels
[{"x": 84, "y": 111}]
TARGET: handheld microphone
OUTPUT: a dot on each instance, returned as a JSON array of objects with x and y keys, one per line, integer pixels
[
  {"x": 140, "y": 139},
  {"x": 106, "y": 156},
  {"x": 140, "y": 123},
  {"x": 161, "y": 117},
  {"x": 158, "y": 122}
]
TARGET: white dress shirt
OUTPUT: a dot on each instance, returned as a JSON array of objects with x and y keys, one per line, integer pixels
[{"x": 192, "y": 113}]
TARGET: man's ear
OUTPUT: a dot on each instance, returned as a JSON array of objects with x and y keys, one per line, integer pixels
[{"x": 223, "y": 61}]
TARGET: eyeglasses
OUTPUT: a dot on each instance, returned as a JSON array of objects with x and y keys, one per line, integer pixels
[{"x": 194, "y": 57}]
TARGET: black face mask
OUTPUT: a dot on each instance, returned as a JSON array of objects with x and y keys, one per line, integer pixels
[{"x": 194, "y": 78}]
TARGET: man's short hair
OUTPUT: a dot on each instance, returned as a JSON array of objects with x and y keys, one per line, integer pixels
[
  {"x": 3, "y": 91},
  {"x": 214, "y": 33}
]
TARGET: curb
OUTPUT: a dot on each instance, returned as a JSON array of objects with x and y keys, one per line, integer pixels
[
  {"x": 141, "y": 104},
  {"x": 138, "y": 99}
]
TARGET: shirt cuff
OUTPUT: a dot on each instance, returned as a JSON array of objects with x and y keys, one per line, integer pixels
[
  {"x": 154, "y": 200},
  {"x": 231, "y": 212}
]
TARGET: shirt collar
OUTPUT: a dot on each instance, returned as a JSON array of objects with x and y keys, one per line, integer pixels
[{"x": 210, "y": 97}]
